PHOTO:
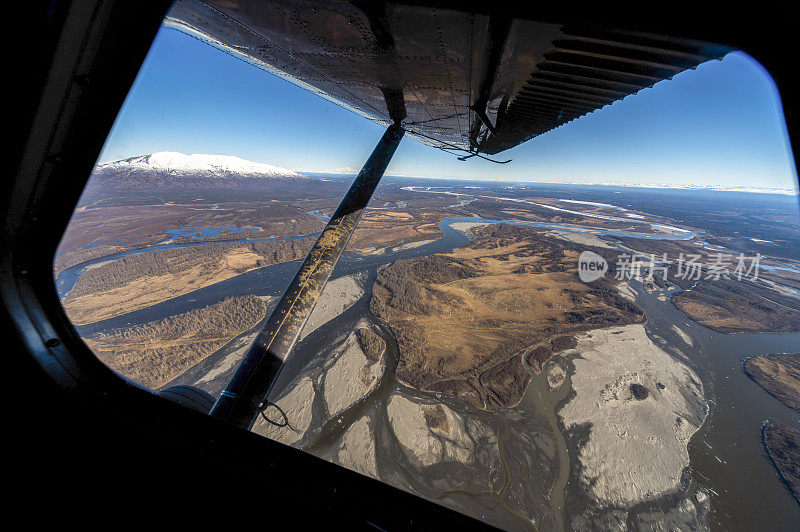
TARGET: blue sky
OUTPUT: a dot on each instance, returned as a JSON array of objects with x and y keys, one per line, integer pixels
[{"x": 718, "y": 125}]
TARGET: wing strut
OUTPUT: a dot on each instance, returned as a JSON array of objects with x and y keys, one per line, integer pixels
[{"x": 245, "y": 394}]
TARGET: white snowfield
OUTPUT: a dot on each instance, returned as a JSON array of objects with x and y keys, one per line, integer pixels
[{"x": 174, "y": 162}]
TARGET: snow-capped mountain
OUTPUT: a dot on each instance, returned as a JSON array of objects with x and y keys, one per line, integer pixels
[
  {"x": 171, "y": 171},
  {"x": 196, "y": 165}
]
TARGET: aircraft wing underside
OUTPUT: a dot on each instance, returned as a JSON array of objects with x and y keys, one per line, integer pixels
[{"x": 457, "y": 80}]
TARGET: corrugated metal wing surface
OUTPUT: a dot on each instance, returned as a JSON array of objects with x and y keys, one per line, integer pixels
[{"x": 457, "y": 80}]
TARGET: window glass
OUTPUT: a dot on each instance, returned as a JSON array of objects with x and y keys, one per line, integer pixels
[{"x": 602, "y": 332}]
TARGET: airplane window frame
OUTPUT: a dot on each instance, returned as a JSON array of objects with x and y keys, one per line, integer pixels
[{"x": 86, "y": 76}]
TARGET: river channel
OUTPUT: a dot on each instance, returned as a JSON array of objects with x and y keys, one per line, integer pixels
[{"x": 727, "y": 456}]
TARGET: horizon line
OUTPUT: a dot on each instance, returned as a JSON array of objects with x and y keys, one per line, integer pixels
[{"x": 627, "y": 184}]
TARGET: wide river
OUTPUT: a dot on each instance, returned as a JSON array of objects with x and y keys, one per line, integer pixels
[{"x": 726, "y": 455}]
